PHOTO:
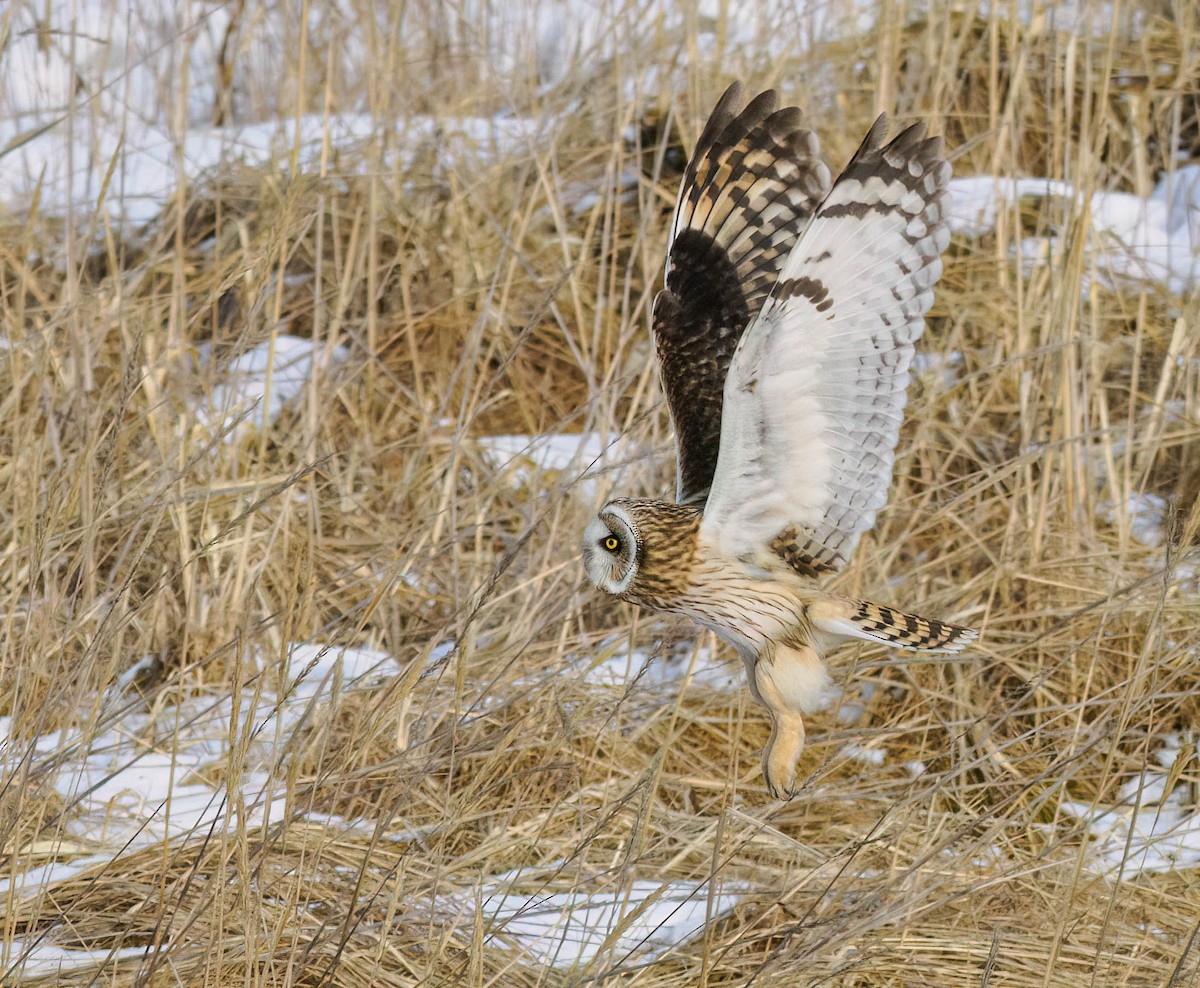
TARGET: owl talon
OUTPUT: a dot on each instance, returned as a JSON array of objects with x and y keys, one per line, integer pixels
[
  {"x": 782, "y": 754},
  {"x": 784, "y": 792}
]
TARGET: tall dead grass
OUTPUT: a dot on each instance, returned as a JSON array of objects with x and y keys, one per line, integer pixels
[{"x": 489, "y": 296}]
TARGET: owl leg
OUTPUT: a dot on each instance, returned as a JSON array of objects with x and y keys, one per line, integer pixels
[
  {"x": 791, "y": 681},
  {"x": 782, "y": 753}
]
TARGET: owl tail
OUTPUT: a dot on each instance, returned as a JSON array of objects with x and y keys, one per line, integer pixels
[{"x": 873, "y": 622}]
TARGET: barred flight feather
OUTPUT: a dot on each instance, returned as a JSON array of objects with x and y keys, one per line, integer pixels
[
  {"x": 875, "y": 622},
  {"x": 750, "y": 188},
  {"x": 815, "y": 393}
]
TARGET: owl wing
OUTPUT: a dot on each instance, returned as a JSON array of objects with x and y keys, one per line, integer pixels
[
  {"x": 815, "y": 393},
  {"x": 751, "y": 186}
]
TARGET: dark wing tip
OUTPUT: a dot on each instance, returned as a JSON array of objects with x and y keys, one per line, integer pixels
[
  {"x": 785, "y": 123},
  {"x": 730, "y": 98},
  {"x": 877, "y": 133},
  {"x": 761, "y": 107},
  {"x": 753, "y": 182},
  {"x": 727, "y": 124},
  {"x": 910, "y": 146},
  {"x": 723, "y": 113}
]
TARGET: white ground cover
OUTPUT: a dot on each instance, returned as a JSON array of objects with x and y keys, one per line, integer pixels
[
  {"x": 93, "y": 119},
  {"x": 255, "y": 386},
  {"x": 567, "y": 928},
  {"x": 135, "y": 782},
  {"x": 1131, "y": 240},
  {"x": 1149, "y": 829},
  {"x": 588, "y": 463}
]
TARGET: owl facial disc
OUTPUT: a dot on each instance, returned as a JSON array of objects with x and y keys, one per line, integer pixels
[{"x": 610, "y": 550}]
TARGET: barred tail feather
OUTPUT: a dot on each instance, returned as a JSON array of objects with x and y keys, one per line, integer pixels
[{"x": 866, "y": 620}]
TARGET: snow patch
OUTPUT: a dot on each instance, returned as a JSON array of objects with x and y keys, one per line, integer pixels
[
  {"x": 140, "y": 782},
  {"x": 1158, "y": 832},
  {"x": 1144, "y": 513},
  {"x": 531, "y": 462},
  {"x": 93, "y": 117},
  {"x": 940, "y": 371},
  {"x": 70, "y": 170},
  {"x": 624, "y": 667},
  {"x": 572, "y": 927},
  {"x": 1153, "y": 240},
  {"x": 868, "y": 756},
  {"x": 851, "y": 711},
  {"x": 42, "y": 959},
  {"x": 259, "y": 383},
  {"x": 975, "y": 201}
]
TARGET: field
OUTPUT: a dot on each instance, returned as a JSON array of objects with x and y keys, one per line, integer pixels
[{"x": 301, "y": 682}]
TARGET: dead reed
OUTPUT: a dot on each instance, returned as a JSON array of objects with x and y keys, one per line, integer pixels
[{"x": 510, "y": 293}]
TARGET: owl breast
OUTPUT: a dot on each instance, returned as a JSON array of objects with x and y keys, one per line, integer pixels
[
  {"x": 749, "y": 612},
  {"x": 676, "y": 569}
]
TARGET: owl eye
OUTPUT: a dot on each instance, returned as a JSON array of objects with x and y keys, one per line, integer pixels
[{"x": 612, "y": 543}]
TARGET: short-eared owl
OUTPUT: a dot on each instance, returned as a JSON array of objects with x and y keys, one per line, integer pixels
[{"x": 784, "y": 340}]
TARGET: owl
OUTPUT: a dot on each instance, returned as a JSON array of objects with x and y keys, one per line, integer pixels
[{"x": 784, "y": 336}]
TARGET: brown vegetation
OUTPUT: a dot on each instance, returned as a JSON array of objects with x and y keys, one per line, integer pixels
[{"x": 490, "y": 297}]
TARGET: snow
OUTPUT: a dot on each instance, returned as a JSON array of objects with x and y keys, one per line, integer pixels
[
  {"x": 1180, "y": 196},
  {"x": 28, "y": 883},
  {"x": 108, "y": 105},
  {"x": 273, "y": 372},
  {"x": 850, "y": 712},
  {"x": 975, "y": 201},
  {"x": 1149, "y": 829},
  {"x": 623, "y": 667},
  {"x": 531, "y": 462},
  {"x": 939, "y": 371},
  {"x": 1132, "y": 240},
  {"x": 133, "y": 783},
  {"x": 868, "y": 756},
  {"x": 552, "y": 451},
  {"x": 41, "y": 958},
  {"x": 71, "y": 171},
  {"x": 572, "y": 927},
  {"x": 570, "y": 35},
  {"x": 1143, "y": 513},
  {"x": 96, "y": 88}
]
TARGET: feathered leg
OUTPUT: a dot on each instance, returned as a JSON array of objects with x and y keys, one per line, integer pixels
[
  {"x": 782, "y": 753},
  {"x": 790, "y": 681}
]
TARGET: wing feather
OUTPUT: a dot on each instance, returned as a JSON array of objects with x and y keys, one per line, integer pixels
[
  {"x": 815, "y": 393},
  {"x": 748, "y": 191}
]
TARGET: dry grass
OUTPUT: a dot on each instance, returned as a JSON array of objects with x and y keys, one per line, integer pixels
[{"x": 476, "y": 299}]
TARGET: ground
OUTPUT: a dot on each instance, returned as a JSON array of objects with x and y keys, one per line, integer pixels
[{"x": 324, "y": 337}]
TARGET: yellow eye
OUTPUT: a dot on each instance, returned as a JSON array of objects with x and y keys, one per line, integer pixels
[{"x": 612, "y": 543}]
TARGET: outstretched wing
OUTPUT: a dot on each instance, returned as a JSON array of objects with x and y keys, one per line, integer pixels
[
  {"x": 751, "y": 186},
  {"x": 816, "y": 391}
]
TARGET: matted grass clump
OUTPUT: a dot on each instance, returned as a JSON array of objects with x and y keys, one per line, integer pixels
[{"x": 967, "y": 821}]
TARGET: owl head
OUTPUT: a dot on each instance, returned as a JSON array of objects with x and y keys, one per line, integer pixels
[
  {"x": 641, "y": 550},
  {"x": 611, "y": 547}
]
